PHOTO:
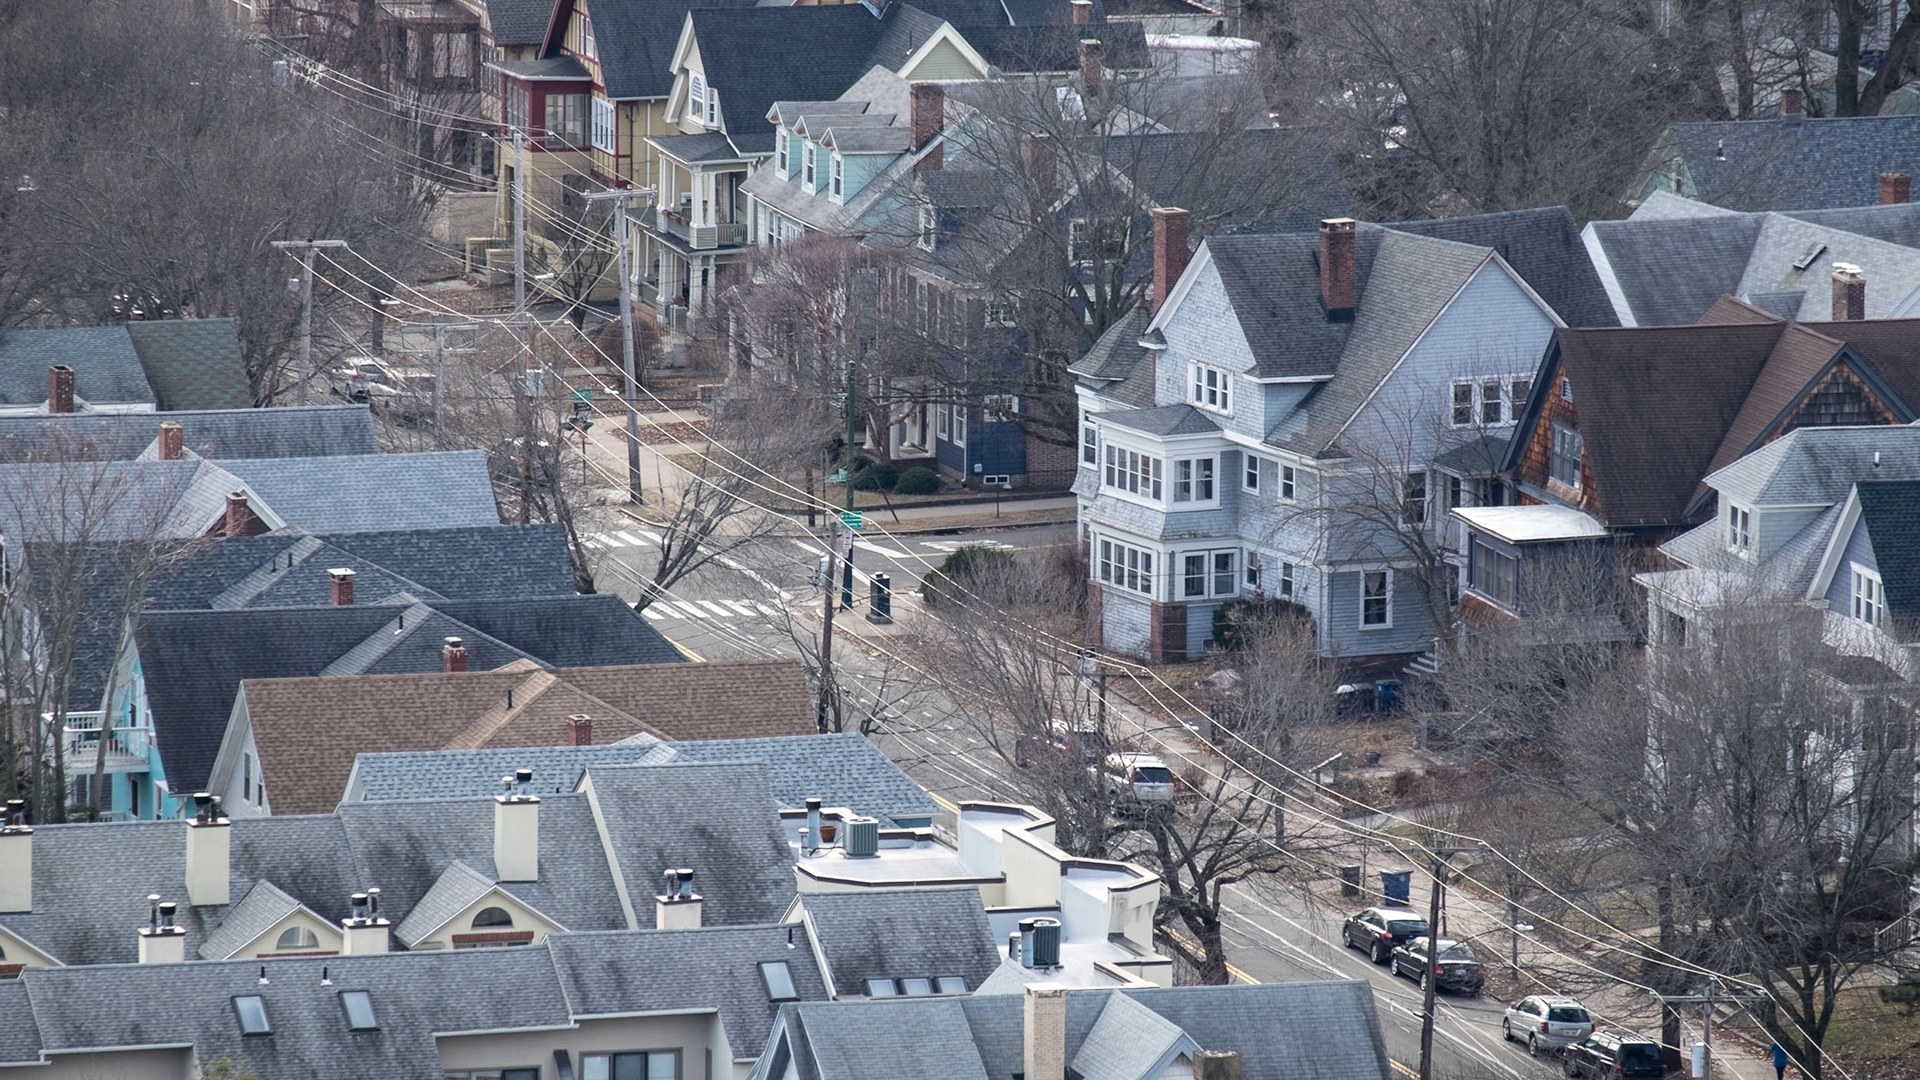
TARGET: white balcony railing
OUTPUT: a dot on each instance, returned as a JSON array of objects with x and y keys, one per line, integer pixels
[{"x": 126, "y": 747}]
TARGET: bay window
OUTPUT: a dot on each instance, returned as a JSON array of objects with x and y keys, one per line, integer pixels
[
  {"x": 603, "y": 127},
  {"x": 567, "y": 120},
  {"x": 1193, "y": 480},
  {"x": 1132, "y": 472},
  {"x": 1126, "y": 567},
  {"x": 1207, "y": 573}
]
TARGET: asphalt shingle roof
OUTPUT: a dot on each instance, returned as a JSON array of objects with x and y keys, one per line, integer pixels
[
  {"x": 255, "y": 913},
  {"x": 1816, "y": 466},
  {"x": 668, "y": 970},
  {"x": 1795, "y": 164},
  {"x": 457, "y": 887},
  {"x": 903, "y": 933},
  {"x": 636, "y": 39},
  {"x": 1890, "y": 510},
  {"x": 738, "y": 48},
  {"x": 524, "y": 22},
  {"x": 296, "y": 431},
  {"x": 106, "y": 369},
  {"x": 1163, "y": 421},
  {"x": 193, "y": 363},
  {"x": 374, "y": 492},
  {"x": 1543, "y": 246}
]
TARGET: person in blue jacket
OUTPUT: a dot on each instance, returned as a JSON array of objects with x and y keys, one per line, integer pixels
[{"x": 1779, "y": 1060}]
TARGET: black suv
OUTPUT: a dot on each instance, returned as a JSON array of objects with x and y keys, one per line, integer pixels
[
  {"x": 1458, "y": 971},
  {"x": 1610, "y": 1052},
  {"x": 1376, "y": 931}
]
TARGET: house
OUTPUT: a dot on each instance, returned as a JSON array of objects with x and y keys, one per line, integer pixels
[
  {"x": 728, "y": 73},
  {"x": 550, "y": 863},
  {"x": 1625, "y": 423},
  {"x": 1674, "y": 258},
  {"x": 1790, "y": 161},
  {"x": 838, "y": 768},
  {"x": 1292, "y": 415},
  {"x": 1262, "y": 1031},
  {"x": 156, "y": 366},
  {"x": 214, "y": 434},
  {"x": 899, "y": 942},
  {"x": 298, "y": 738},
  {"x": 181, "y": 670},
  {"x": 1820, "y": 515}
]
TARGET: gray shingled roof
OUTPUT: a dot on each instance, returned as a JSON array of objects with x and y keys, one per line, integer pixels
[
  {"x": 1818, "y": 465},
  {"x": 256, "y": 913},
  {"x": 457, "y": 887},
  {"x": 374, "y": 492},
  {"x": 710, "y": 818},
  {"x": 193, "y": 363},
  {"x": 1128, "y": 1041},
  {"x": 1795, "y": 164},
  {"x": 523, "y": 22},
  {"x": 1890, "y": 511},
  {"x": 1543, "y": 246},
  {"x": 673, "y": 970},
  {"x": 106, "y": 369},
  {"x": 440, "y": 774},
  {"x": 636, "y": 39},
  {"x": 1283, "y": 1031},
  {"x": 297, "y": 431},
  {"x": 1163, "y": 421},
  {"x": 903, "y": 933}
]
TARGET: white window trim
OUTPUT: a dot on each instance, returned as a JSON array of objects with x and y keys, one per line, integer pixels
[
  {"x": 809, "y": 169},
  {"x": 836, "y": 177},
  {"x": 782, "y": 149},
  {"x": 1868, "y": 593},
  {"x": 960, "y": 423},
  {"x": 942, "y": 421},
  {"x": 1210, "y": 578},
  {"x": 588, "y": 46},
  {"x": 1250, "y": 473},
  {"x": 1221, "y": 393},
  {"x": 1553, "y": 437},
  {"x": 1195, "y": 502},
  {"x": 1362, "y": 613},
  {"x": 1289, "y": 483},
  {"x": 696, "y": 97},
  {"x": 1510, "y": 407},
  {"x": 1089, "y": 444},
  {"x": 605, "y": 136},
  {"x": 1739, "y": 530},
  {"x": 1153, "y": 468},
  {"x": 1000, "y": 408},
  {"x": 929, "y": 236},
  {"x": 1109, "y": 553}
]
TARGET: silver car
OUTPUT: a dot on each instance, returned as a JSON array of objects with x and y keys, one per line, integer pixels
[
  {"x": 1546, "y": 1023},
  {"x": 1139, "y": 779}
]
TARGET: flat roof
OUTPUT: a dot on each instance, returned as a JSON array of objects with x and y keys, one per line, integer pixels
[{"x": 1527, "y": 524}]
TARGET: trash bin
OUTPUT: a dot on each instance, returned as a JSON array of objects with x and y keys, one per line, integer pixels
[
  {"x": 880, "y": 599},
  {"x": 1396, "y": 885},
  {"x": 1386, "y": 695},
  {"x": 1349, "y": 881}
]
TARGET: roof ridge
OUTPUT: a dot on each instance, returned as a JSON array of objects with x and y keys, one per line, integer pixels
[
  {"x": 377, "y": 644},
  {"x": 488, "y": 724},
  {"x": 261, "y": 578}
]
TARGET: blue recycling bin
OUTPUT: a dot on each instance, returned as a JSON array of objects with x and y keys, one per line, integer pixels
[
  {"x": 1386, "y": 695},
  {"x": 1396, "y": 886}
]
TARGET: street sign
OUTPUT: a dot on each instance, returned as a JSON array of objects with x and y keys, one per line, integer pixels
[
  {"x": 852, "y": 519},
  {"x": 582, "y": 410}
]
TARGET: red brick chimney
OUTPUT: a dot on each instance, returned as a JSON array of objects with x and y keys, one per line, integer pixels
[
  {"x": 1336, "y": 268},
  {"x": 580, "y": 730},
  {"x": 928, "y": 116},
  {"x": 59, "y": 389},
  {"x": 342, "y": 587},
  {"x": 453, "y": 656},
  {"x": 172, "y": 440},
  {"x": 1895, "y": 187},
  {"x": 1169, "y": 251},
  {"x": 1792, "y": 105},
  {"x": 1082, "y": 12},
  {"x": 1092, "y": 66},
  {"x": 239, "y": 514},
  {"x": 1849, "y": 293}
]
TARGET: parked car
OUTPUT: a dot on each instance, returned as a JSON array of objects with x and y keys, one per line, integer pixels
[
  {"x": 1546, "y": 1022},
  {"x": 1614, "y": 1053},
  {"x": 1078, "y": 747},
  {"x": 1140, "y": 781},
  {"x": 354, "y": 378},
  {"x": 406, "y": 393},
  {"x": 1459, "y": 970},
  {"x": 1378, "y": 930}
]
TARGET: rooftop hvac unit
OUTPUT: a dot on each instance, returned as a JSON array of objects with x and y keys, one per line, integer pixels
[
  {"x": 1046, "y": 943},
  {"x": 863, "y": 836}
]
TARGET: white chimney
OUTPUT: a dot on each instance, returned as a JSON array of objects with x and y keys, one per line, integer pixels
[
  {"x": 161, "y": 942},
  {"x": 679, "y": 907},
  {"x": 516, "y": 829},
  {"x": 1046, "y": 1032},
  {"x": 364, "y": 932},
  {"x": 209, "y": 843},
  {"x": 16, "y": 860}
]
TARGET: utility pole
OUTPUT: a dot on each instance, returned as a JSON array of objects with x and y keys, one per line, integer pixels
[
  {"x": 525, "y": 400},
  {"x": 440, "y": 378},
  {"x": 1714, "y": 995},
  {"x": 1440, "y": 856},
  {"x": 853, "y": 398},
  {"x": 519, "y": 221},
  {"x": 530, "y": 383},
  {"x": 824, "y": 709},
  {"x": 619, "y": 198},
  {"x": 306, "y": 249}
]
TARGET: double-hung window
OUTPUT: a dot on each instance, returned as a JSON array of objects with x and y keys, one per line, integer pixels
[
  {"x": 1289, "y": 483},
  {"x": 806, "y": 164},
  {"x": 1283, "y": 583},
  {"x": 943, "y": 420},
  {"x": 782, "y": 144},
  {"x": 1414, "y": 501},
  {"x": 1089, "y": 443},
  {"x": 1739, "y": 530},
  {"x": 1869, "y": 596},
  {"x": 1212, "y": 388},
  {"x": 603, "y": 126},
  {"x": 1490, "y": 401},
  {"x": 1564, "y": 462},
  {"x": 838, "y": 174},
  {"x": 1376, "y": 599},
  {"x": 1132, "y": 472},
  {"x": 1250, "y": 477},
  {"x": 1492, "y": 574},
  {"x": 1193, "y": 480},
  {"x": 1207, "y": 573},
  {"x": 588, "y": 48},
  {"x": 1126, "y": 567},
  {"x": 960, "y": 422},
  {"x": 638, "y": 1065}
]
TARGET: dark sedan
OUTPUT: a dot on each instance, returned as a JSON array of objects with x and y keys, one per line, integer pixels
[
  {"x": 1459, "y": 970},
  {"x": 1376, "y": 931}
]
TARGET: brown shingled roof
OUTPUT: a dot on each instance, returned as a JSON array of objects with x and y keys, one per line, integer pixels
[{"x": 307, "y": 731}]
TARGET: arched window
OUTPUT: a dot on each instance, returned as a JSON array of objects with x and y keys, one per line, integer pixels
[
  {"x": 493, "y": 918},
  {"x": 296, "y": 937}
]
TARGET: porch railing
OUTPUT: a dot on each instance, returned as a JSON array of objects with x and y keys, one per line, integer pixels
[{"x": 124, "y": 746}]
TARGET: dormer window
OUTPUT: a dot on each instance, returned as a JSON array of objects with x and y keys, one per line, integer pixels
[
  {"x": 696, "y": 96},
  {"x": 780, "y": 147},
  {"x": 806, "y": 165},
  {"x": 712, "y": 118},
  {"x": 1739, "y": 530},
  {"x": 1869, "y": 596}
]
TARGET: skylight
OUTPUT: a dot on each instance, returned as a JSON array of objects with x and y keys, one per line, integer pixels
[
  {"x": 917, "y": 987},
  {"x": 951, "y": 984},
  {"x": 879, "y": 988},
  {"x": 359, "y": 1006},
  {"x": 779, "y": 979},
  {"x": 252, "y": 1010}
]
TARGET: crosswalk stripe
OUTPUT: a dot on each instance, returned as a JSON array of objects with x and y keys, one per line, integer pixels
[
  {"x": 632, "y": 540},
  {"x": 890, "y": 553},
  {"x": 738, "y": 606},
  {"x": 650, "y": 613},
  {"x": 765, "y": 610},
  {"x": 689, "y": 609},
  {"x": 715, "y": 608}
]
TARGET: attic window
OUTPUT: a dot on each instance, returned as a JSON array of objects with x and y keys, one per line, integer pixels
[
  {"x": 779, "y": 979},
  {"x": 296, "y": 937},
  {"x": 492, "y": 918},
  {"x": 252, "y": 1010},
  {"x": 359, "y": 1006}
]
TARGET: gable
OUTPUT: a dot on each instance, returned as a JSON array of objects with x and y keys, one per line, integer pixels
[
  {"x": 941, "y": 61},
  {"x": 1199, "y": 323}
]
